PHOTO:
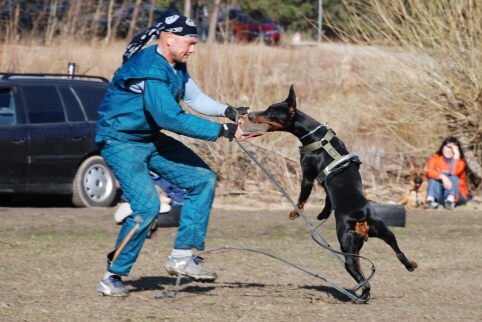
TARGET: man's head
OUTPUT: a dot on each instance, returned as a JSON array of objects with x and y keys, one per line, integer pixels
[{"x": 177, "y": 36}]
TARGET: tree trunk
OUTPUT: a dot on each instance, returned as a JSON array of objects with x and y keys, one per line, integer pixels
[
  {"x": 72, "y": 25},
  {"x": 187, "y": 8},
  {"x": 117, "y": 22},
  {"x": 52, "y": 22},
  {"x": 213, "y": 22},
  {"x": 135, "y": 15}
]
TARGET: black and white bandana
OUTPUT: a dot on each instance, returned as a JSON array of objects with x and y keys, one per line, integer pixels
[{"x": 178, "y": 25}]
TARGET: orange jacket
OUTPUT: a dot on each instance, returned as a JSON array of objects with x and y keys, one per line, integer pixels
[{"x": 437, "y": 165}]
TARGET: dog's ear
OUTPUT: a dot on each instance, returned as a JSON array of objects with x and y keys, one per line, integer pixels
[
  {"x": 411, "y": 165},
  {"x": 291, "y": 100}
]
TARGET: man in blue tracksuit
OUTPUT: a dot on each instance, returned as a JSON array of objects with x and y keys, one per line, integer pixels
[{"x": 142, "y": 100}]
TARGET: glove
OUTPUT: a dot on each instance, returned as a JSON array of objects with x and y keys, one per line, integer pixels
[
  {"x": 233, "y": 113},
  {"x": 228, "y": 130}
]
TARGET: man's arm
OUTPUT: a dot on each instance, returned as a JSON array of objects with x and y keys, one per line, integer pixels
[{"x": 200, "y": 102}]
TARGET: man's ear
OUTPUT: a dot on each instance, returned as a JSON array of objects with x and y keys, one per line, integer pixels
[{"x": 169, "y": 38}]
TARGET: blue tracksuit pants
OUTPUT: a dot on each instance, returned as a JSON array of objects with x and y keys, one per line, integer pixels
[{"x": 173, "y": 161}]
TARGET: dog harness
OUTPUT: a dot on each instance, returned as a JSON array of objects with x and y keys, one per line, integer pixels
[{"x": 339, "y": 162}]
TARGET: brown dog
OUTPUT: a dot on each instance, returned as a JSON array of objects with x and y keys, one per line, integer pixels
[{"x": 415, "y": 197}]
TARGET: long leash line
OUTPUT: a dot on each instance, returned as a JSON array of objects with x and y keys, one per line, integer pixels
[{"x": 322, "y": 242}]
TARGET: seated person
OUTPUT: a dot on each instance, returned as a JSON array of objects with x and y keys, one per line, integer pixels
[{"x": 447, "y": 176}]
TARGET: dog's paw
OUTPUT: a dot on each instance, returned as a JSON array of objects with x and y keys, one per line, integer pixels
[
  {"x": 414, "y": 266},
  {"x": 324, "y": 215},
  {"x": 294, "y": 214}
]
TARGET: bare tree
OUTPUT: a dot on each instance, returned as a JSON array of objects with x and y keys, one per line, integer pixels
[
  {"x": 52, "y": 23},
  {"x": 135, "y": 16},
  {"x": 213, "y": 21},
  {"x": 109, "y": 21},
  {"x": 72, "y": 24},
  {"x": 187, "y": 8}
]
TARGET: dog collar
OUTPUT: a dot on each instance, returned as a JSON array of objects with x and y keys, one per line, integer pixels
[{"x": 313, "y": 131}]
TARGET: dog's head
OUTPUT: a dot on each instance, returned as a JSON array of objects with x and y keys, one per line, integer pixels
[
  {"x": 418, "y": 176},
  {"x": 279, "y": 116}
]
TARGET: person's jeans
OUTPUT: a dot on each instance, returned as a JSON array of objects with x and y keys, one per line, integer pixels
[{"x": 437, "y": 190}]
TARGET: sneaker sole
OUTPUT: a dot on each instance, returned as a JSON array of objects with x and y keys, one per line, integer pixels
[
  {"x": 107, "y": 292},
  {"x": 204, "y": 278}
]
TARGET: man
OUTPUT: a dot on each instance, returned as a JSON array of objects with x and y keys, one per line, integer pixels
[{"x": 142, "y": 100}]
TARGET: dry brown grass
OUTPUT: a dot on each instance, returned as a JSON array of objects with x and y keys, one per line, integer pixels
[
  {"x": 436, "y": 81},
  {"x": 343, "y": 85}
]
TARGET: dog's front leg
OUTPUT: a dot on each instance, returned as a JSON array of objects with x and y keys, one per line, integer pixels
[{"x": 306, "y": 187}]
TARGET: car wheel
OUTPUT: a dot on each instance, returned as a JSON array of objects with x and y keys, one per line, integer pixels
[
  {"x": 392, "y": 215},
  {"x": 94, "y": 184}
]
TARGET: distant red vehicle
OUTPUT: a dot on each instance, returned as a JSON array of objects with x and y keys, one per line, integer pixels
[{"x": 235, "y": 25}]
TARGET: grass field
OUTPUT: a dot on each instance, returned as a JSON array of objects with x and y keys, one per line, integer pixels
[{"x": 51, "y": 260}]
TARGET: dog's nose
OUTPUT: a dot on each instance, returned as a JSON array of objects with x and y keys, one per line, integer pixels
[{"x": 418, "y": 180}]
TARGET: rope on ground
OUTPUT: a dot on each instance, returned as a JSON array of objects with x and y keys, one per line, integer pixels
[{"x": 315, "y": 234}]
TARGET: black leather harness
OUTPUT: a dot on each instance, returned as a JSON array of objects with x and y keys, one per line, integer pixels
[{"x": 339, "y": 162}]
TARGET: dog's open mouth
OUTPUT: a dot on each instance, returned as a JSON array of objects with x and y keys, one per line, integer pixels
[{"x": 254, "y": 129}]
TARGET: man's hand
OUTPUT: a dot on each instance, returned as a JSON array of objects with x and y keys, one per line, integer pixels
[
  {"x": 233, "y": 113},
  {"x": 230, "y": 131}
]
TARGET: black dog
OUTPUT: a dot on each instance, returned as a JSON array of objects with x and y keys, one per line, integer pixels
[{"x": 325, "y": 158}]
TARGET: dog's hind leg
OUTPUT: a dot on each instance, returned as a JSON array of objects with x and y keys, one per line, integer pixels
[
  {"x": 351, "y": 244},
  {"x": 380, "y": 230}
]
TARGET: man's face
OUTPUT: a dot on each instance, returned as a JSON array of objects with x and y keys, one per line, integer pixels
[{"x": 180, "y": 48}]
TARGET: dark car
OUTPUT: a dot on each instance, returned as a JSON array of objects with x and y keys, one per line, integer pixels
[
  {"x": 47, "y": 129},
  {"x": 235, "y": 25}
]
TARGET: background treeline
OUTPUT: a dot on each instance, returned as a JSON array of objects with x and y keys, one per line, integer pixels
[{"x": 99, "y": 18}]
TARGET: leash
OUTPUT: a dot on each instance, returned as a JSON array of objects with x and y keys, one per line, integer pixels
[
  {"x": 314, "y": 230},
  {"x": 322, "y": 242}
]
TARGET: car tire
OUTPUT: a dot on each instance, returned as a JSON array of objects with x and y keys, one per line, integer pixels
[
  {"x": 94, "y": 184},
  {"x": 392, "y": 215}
]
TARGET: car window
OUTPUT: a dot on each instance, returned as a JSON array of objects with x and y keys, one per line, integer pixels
[
  {"x": 7, "y": 107},
  {"x": 43, "y": 104},
  {"x": 72, "y": 105},
  {"x": 91, "y": 98}
]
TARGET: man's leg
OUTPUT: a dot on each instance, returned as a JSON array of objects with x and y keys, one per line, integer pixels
[
  {"x": 182, "y": 167},
  {"x": 128, "y": 161}
]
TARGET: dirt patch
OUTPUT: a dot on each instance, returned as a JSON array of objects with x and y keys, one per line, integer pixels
[{"x": 51, "y": 260}]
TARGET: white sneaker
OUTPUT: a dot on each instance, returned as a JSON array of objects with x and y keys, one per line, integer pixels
[
  {"x": 190, "y": 266},
  {"x": 124, "y": 210}
]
